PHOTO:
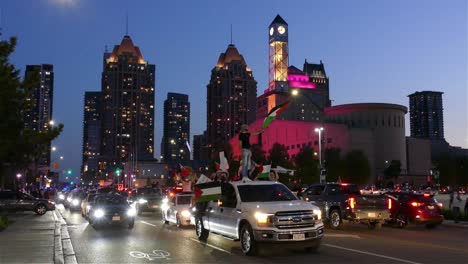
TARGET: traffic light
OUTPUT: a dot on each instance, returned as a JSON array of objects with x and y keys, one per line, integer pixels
[
  {"x": 117, "y": 171},
  {"x": 72, "y": 183},
  {"x": 69, "y": 172}
]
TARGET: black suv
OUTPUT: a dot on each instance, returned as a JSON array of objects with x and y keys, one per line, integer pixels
[{"x": 18, "y": 201}]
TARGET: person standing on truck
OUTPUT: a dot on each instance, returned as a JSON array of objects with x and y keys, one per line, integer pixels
[{"x": 244, "y": 139}]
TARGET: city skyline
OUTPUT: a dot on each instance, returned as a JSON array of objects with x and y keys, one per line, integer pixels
[{"x": 374, "y": 52}]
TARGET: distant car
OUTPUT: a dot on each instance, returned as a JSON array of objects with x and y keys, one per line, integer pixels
[
  {"x": 415, "y": 208},
  {"x": 177, "y": 209},
  {"x": 76, "y": 197},
  {"x": 148, "y": 200},
  {"x": 87, "y": 203},
  {"x": 111, "y": 209},
  {"x": 18, "y": 201}
]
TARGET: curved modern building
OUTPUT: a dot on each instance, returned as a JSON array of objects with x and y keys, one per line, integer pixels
[{"x": 376, "y": 128}]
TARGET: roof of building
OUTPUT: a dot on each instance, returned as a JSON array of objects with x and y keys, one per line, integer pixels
[
  {"x": 126, "y": 46},
  {"x": 293, "y": 70},
  {"x": 425, "y": 92},
  {"x": 360, "y": 107},
  {"x": 231, "y": 54},
  {"x": 278, "y": 20},
  {"x": 311, "y": 67}
]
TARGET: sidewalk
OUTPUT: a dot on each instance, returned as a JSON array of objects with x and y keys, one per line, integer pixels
[
  {"x": 451, "y": 223},
  {"x": 36, "y": 239}
]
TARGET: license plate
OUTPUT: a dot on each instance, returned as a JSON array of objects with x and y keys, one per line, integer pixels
[
  {"x": 298, "y": 236},
  {"x": 154, "y": 206},
  {"x": 116, "y": 218},
  {"x": 371, "y": 214}
]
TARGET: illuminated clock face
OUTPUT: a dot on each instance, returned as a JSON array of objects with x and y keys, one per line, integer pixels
[
  {"x": 271, "y": 31},
  {"x": 281, "y": 30}
]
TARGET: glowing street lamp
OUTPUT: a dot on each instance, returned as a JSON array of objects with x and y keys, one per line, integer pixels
[
  {"x": 18, "y": 175},
  {"x": 51, "y": 122},
  {"x": 295, "y": 92}
]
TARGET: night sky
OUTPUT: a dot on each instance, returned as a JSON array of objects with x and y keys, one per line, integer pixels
[{"x": 373, "y": 51}]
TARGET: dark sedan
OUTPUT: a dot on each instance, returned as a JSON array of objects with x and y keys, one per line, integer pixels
[
  {"x": 18, "y": 201},
  {"x": 148, "y": 200},
  {"x": 111, "y": 209}
]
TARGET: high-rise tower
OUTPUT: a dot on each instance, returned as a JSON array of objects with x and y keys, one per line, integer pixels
[
  {"x": 279, "y": 56},
  {"x": 231, "y": 99},
  {"x": 426, "y": 115},
  {"x": 176, "y": 128},
  {"x": 128, "y": 106},
  {"x": 91, "y": 134}
]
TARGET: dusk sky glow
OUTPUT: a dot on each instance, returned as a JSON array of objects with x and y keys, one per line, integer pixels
[{"x": 373, "y": 51}]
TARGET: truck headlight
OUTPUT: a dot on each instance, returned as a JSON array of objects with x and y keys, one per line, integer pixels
[
  {"x": 318, "y": 213},
  {"x": 131, "y": 212},
  {"x": 99, "y": 213},
  {"x": 186, "y": 213},
  {"x": 142, "y": 201},
  {"x": 263, "y": 219}
]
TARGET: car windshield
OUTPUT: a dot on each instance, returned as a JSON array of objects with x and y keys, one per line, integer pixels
[
  {"x": 265, "y": 193},
  {"x": 184, "y": 199},
  {"x": 111, "y": 200},
  {"x": 150, "y": 191}
]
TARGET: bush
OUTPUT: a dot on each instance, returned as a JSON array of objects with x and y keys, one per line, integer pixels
[
  {"x": 448, "y": 215},
  {"x": 3, "y": 222}
]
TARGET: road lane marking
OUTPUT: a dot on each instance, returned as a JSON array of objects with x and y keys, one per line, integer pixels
[
  {"x": 371, "y": 254},
  {"x": 146, "y": 223},
  {"x": 55, "y": 216},
  {"x": 211, "y": 246},
  {"x": 155, "y": 254},
  {"x": 342, "y": 235}
]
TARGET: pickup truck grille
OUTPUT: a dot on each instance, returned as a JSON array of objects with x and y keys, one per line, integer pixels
[{"x": 294, "y": 219}]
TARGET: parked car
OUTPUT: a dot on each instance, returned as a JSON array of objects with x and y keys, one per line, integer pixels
[
  {"x": 148, "y": 200},
  {"x": 87, "y": 203},
  {"x": 18, "y": 201},
  {"x": 415, "y": 208},
  {"x": 260, "y": 212},
  {"x": 111, "y": 209},
  {"x": 177, "y": 209},
  {"x": 343, "y": 201}
]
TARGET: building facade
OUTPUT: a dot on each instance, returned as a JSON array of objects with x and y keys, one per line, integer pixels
[
  {"x": 176, "y": 133},
  {"x": 426, "y": 115},
  {"x": 91, "y": 133},
  {"x": 231, "y": 99},
  {"x": 127, "y": 106},
  {"x": 41, "y": 101}
]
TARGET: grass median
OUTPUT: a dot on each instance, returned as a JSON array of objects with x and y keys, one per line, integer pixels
[{"x": 3, "y": 222}]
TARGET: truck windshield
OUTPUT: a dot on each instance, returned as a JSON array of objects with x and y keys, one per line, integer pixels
[{"x": 265, "y": 193}]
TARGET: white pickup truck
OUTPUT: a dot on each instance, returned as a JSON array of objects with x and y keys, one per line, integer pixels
[{"x": 258, "y": 212}]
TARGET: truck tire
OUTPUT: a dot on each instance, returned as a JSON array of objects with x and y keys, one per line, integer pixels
[
  {"x": 335, "y": 219},
  {"x": 202, "y": 233},
  {"x": 247, "y": 240}
]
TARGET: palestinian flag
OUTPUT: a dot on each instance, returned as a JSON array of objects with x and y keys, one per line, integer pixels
[
  {"x": 185, "y": 171},
  {"x": 265, "y": 172},
  {"x": 208, "y": 191},
  {"x": 276, "y": 111}
]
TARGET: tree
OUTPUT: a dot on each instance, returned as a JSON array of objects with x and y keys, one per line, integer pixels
[
  {"x": 393, "y": 170},
  {"x": 278, "y": 156},
  {"x": 20, "y": 148},
  {"x": 333, "y": 164},
  {"x": 307, "y": 166},
  {"x": 447, "y": 167},
  {"x": 357, "y": 167}
]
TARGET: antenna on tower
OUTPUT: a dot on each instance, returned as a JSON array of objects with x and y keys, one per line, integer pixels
[
  {"x": 231, "y": 34},
  {"x": 126, "y": 24}
]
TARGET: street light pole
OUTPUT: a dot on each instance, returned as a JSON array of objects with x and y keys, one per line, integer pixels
[{"x": 319, "y": 131}]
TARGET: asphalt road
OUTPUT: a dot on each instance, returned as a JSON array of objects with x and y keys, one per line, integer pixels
[{"x": 150, "y": 241}]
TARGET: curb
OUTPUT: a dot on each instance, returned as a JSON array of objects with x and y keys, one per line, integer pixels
[
  {"x": 64, "y": 253},
  {"x": 459, "y": 225}
]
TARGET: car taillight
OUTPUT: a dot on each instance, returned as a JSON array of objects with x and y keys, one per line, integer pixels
[
  {"x": 440, "y": 205},
  {"x": 352, "y": 203},
  {"x": 416, "y": 204},
  {"x": 389, "y": 203}
]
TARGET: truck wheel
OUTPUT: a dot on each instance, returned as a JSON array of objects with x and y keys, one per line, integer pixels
[
  {"x": 401, "y": 220},
  {"x": 335, "y": 219},
  {"x": 248, "y": 244},
  {"x": 202, "y": 233}
]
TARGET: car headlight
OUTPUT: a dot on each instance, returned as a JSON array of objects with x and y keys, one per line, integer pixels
[
  {"x": 142, "y": 201},
  {"x": 165, "y": 200},
  {"x": 69, "y": 199},
  {"x": 131, "y": 212},
  {"x": 263, "y": 219},
  {"x": 318, "y": 213},
  {"x": 164, "y": 206},
  {"x": 61, "y": 197},
  {"x": 99, "y": 213},
  {"x": 186, "y": 213},
  {"x": 75, "y": 202}
]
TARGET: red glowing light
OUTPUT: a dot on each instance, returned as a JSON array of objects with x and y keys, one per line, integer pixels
[
  {"x": 416, "y": 204},
  {"x": 352, "y": 202},
  {"x": 389, "y": 203}
]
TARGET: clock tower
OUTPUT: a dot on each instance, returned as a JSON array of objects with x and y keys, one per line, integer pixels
[{"x": 279, "y": 56}]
